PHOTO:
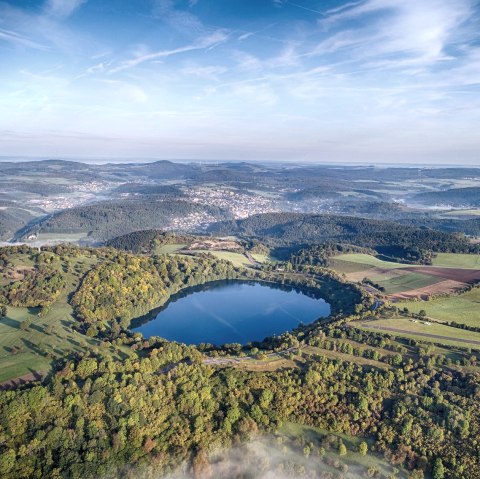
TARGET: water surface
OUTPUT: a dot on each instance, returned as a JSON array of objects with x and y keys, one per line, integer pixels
[{"x": 232, "y": 312}]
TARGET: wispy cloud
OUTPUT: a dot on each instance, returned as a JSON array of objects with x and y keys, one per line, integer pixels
[
  {"x": 62, "y": 8},
  {"x": 202, "y": 43},
  {"x": 19, "y": 39}
]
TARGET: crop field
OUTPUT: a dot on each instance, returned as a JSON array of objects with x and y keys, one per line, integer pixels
[
  {"x": 450, "y": 273},
  {"x": 367, "y": 261},
  {"x": 418, "y": 329},
  {"x": 457, "y": 260},
  {"x": 407, "y": 282},
  {"x": 464, "y": 309}
]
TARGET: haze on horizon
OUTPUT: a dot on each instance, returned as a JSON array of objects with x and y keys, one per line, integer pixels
[{"x": 322, "y": 81}]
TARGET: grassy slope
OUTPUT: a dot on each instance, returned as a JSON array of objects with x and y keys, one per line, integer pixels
[
  {"x": 369, "y": 260},
  {"x": 34, "y": 343},
  {"x": 438, "y": 329},
  {"x": 407, "y": 282},
  {"x": 457, "y": 260},
  {"x": 463, "y": 309}
]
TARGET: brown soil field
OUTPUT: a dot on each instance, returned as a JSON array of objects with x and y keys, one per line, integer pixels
[
  {"x": 442, "y": 287},
  {"x": 454, "y": 274}
]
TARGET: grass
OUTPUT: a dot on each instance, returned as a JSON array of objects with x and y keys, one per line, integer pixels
[
  {"x": 48, "y": 337},
  {"x": 168, "y": 248},
  {"x": 457, "y": 260},
  {"x": 464, "y": 309},
  {"x": 407, "y": 282},
  {"x": 368, "y": 260},
  {"x": 456, "y": 337},
  {"x": 346, "y": 357},
  {"x": 237, "y": 259},
  {"x": 343, "y": 266},
  {"x": 61, "y": 237}
]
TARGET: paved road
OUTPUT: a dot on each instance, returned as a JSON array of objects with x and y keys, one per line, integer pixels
[{"x": 427, "y": 335}]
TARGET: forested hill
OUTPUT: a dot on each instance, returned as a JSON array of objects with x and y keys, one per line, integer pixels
[
  {"x": 110, "y": 219},
  {"x": 281, "y": 229},
  {"x": 453, "y": 197}
]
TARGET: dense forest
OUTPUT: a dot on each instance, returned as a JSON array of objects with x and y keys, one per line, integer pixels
[
  {"x": 96, "y": 416},
  {"x": 109, "y": 219},
  {"x": 391, "y": 239}
]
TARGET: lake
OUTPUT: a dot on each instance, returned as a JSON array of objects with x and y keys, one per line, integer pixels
[{"x": 232, "y": 312}]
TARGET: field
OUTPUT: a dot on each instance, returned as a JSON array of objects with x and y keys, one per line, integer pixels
[
  {"x": 464, "y": 309},
  {"x": 457, "y": 260},
  {"x": 417, "y": 329},
  {"x": 367, "y": 261},
  {"x": 168, "y": 248},
  {"x": 238, "y": 259},
  {"x": 449, "y": 273}
]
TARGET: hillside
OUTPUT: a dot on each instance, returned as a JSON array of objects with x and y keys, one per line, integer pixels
[
  {"x": 109, "y": 219},
  {"x": 457, "y": 197},
  {"x": 283, "y": 229}
]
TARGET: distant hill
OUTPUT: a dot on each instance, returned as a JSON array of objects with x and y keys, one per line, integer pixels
[
  {"x": 11, "y": 220},
  {"x": 109, "y": 219},
  {"x": 281, "y": 229},
  {"x": 458, "y": 197}
]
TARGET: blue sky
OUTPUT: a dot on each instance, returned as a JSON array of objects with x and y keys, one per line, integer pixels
[{"x": 321, "y": 81}]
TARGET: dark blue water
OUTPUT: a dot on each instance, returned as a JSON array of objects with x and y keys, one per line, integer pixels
[{"x": 232, "y": 312}]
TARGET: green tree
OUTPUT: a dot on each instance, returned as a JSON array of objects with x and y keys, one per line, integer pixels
[
  {"x": 438, "y": 469},
  {"x": 363, "y": 448}
]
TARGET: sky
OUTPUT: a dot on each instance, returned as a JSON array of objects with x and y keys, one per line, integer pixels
[{"x": 322, "y": 81}]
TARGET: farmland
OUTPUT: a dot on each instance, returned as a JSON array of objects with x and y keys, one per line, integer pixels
[
  {"x": 416, "y": 329},
  {"x": 464, "y": 308},
  {"x": 448, "y": 274}
]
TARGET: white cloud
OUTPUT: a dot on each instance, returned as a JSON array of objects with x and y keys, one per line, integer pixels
[
  {"x": 19, "y": 39},
  {"x": 62, "y": 8},
  {"x": 202, "y": 43}
]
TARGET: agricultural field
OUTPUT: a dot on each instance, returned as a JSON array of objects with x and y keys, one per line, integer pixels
[
  {"x": 449, "y": 273},
  {"x": 423, "y": 330},
  {"x": 366, "y": 261},
  {"x": 457, "y": 260},
  {"x": 464, "y": 308}
]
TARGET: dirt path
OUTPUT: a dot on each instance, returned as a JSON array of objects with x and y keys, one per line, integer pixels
[{"x": 414, "y": 333}]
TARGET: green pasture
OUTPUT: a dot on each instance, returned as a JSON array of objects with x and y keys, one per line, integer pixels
[
  {"x": 368, "y": 260},
  {"x": 457, "y": 260},
  {"x": 406, "y": 282},
  {"x": 409, "y": 329},
  {"x": 464, "y": 308}
]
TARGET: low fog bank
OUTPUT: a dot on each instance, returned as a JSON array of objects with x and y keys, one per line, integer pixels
[{"x": 279, "y": 458}]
